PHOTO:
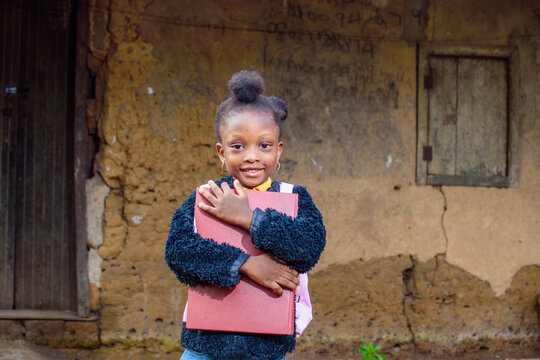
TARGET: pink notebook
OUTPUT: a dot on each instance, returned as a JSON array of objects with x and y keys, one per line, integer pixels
[{"x": 248, "y": 307}]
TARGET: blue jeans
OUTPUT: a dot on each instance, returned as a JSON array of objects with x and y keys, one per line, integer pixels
[{"x": 193, "y": 355}]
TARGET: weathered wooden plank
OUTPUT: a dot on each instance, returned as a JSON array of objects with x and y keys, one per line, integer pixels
[
  {"x": 513, "y": 118},
  {"x": 80, "y": 160},
  {"x": 40, "y": 234},
  {"x": 10, "y": 30},
  {"x": 48, "y": 94},
  {"x": 58, "y": 245},
  {"x": 24, "y": 209},
  {"x": 443, "y": 115},
  {"x": 482, "y": 117},
  {"x": 422, "y": 114},
  {"x": 63, "y": 231},
  {"x": 496, "y": 181},
  {"x": 44, "y": 315}
]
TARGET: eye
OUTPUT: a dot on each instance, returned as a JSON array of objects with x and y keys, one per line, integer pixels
[
  {"x": 237, "y": 146},
  {"x": 266, "y": 146}
]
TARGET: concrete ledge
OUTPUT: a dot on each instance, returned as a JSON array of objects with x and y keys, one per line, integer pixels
[{"x": 43, "y": 315}]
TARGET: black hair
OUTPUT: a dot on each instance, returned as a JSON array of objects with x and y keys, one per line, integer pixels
[{"x": 247, "y": 88}]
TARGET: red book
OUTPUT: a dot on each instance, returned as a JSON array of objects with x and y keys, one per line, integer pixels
[{"x": 248, "y": 307}]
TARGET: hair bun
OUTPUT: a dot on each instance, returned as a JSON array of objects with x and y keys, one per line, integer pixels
[
  {"x": 280, "y": 106},
  {"x": 246, "y": 85}
]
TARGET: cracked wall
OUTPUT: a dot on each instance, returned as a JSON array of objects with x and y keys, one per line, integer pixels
[
  {"x": 348, "y": 73},
  {"x": 409, "y": 305}
]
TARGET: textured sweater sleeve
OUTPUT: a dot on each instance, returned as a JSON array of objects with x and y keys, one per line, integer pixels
[
  {"x": 298, "y": 242},
  {"x": 196, "y": 260}
]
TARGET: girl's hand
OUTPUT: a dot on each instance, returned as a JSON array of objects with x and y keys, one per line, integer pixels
[
  {"x": 226, "y": 205},
  {"x": 270, "y": 273}
]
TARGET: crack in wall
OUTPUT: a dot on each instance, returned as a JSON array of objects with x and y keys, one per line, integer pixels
[
  {"x": 445, "y": 208},
  {"x": 445, "y": 235},
  {"x": 409, "y": 285},
  {"x": 409, "y": 282}
]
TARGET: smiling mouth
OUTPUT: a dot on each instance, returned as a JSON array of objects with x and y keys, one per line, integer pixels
[{"x": 251, "y": 170}]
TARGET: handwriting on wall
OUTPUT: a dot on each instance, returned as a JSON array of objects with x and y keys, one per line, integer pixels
[
  {"x": 330, "y": 66},
  {"x": 303, "y": 38},
  {"x": 337, "y": 25},
  {"x": 332, "y": 46},
  {"x": 370, "y": 25}
]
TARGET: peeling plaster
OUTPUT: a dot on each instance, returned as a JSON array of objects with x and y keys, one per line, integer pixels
[
  {"x": 388, "y": 160},
  {"x": 96, "y": 192}
]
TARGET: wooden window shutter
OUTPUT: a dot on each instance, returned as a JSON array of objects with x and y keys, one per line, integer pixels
[{"x": 467, "y": 118}]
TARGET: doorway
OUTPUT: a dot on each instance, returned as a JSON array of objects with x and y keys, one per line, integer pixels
[{"x": 37, "y": 222}]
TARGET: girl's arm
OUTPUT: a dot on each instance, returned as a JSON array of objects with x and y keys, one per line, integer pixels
[
  {"x": 298, "y": 242},
  {"x": 196, "y": 260}
]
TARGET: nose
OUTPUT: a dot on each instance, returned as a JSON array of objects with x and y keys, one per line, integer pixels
[{"x": 251, "y": 154}]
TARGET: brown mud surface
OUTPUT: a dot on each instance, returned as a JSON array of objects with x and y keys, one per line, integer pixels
[{"x": 494, "y": 351}]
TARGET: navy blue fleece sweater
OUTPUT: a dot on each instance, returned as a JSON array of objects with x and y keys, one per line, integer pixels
[{"x": 195, "y": 260}]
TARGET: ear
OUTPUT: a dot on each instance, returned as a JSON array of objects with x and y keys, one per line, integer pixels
[
  {"x": 220, "y": 151},
  {"x": 279, "y": 149}
]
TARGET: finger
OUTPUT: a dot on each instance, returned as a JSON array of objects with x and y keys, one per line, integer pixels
[
  {"x": 225, "y": 188},
  {"x": 287, "y": 269},
  {"x": 216, "y": 189},
  {"x": 208, "y": 196},
  {"x": 290, "y": 277},
  {"x": 294, "y": 272},
  {"x": 207, "y": 208},
  {"x": 239, "y": 188},
  {"x": 274, "y": 286},
  {"x": 288, "y": 284}
]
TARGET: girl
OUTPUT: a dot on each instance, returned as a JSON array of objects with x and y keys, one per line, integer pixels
[{"x": 248, "y": 130}]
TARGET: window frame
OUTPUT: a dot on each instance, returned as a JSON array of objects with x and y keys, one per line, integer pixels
[{"x": 506, "y": 53}]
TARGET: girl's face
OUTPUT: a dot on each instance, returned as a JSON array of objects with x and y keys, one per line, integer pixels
[{"x": 250, "y": 146}]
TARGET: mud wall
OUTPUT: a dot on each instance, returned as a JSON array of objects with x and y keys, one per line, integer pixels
[{"x": 404, "y": 263}]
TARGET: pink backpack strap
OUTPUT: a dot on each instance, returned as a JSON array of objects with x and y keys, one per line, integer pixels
[
  {"x": 285, "y": 187},
  {"x": 304, "y": 313}
]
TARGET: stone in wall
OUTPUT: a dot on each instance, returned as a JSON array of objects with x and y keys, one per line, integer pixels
[
  {"x": 44, "y": 331},
  {"x": 114, "y": 227},
  {"x": 81, "y": 334},
  {"x": 11, "y": 329}
]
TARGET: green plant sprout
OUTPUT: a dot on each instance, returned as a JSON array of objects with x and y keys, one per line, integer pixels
[{"x": 370, "y": 352}]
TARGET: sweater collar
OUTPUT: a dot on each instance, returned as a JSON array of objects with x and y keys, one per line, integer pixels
[
  {"x": 229, "y": 180},
  {"x": 262, "y": 187}
]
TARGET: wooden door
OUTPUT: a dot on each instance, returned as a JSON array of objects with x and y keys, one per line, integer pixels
[{"x": 37, "y": 242}]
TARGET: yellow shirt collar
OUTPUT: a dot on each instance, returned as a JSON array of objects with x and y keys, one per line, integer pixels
[{"x": 263, "y": 187}]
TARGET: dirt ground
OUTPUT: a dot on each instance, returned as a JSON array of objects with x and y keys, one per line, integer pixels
[{"x": 117, "y": 352}]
